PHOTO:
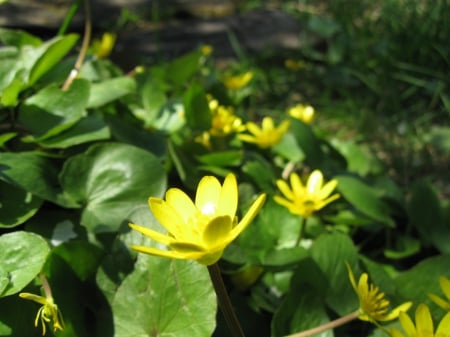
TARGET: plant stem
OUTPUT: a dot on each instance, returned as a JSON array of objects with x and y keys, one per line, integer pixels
[
  {"x": 46, "y": 286},
  {"x": 330, "y": 325},
  {"x": 84, "y": 46},
  {"x": 224, "y": 301},
  {"x": 302, "y": 231}
]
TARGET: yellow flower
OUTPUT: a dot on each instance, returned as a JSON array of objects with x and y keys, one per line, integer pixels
[
  {"x": 424, "y": 325},
  {"x": 202, "y": 230},
  {"x": 305, "y": 200},
  {"x": 267, "y": 135},
  {"x": 49, "y": 312},
  {"x": 305, "y": 113},
  {"x": 445, "y": 286},
  {"x": 239, "y": 81},
  {"x": 294, "y": 64},
  {"x": 225, "y": 122},
  {"x": 104, "y": 47},
  {"x": 206, "y": 49},
  {"x": 373, "y": 306}
]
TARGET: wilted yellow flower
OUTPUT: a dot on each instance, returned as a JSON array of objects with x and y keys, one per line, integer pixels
[
  {"x": 239, "y": 81},
  {"x": 445, "y": 286},
  {"x": 373, "y": 305},
  {"x": 102, "y": 48},
  {"x": 294, "y": 64},
  {"x": 424, "y": 325},
  {"x": 49, "y": 312},
  {"x": 267, "y": 135},
  {"x": 305, "y": 113},
  {"x": 305, "y": 200},
  {"x": 202, "y": 230}
]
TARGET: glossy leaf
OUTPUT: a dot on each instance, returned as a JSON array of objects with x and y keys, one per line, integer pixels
[
  {"x": 110, "y": 90},
  {"x": 17, "y": 205},
  {"x": 165, "y": 297},
  {"x": 109, "y": 181},
  {"x": 364, "y": 198},
  {"x": 22, "y": 256}
]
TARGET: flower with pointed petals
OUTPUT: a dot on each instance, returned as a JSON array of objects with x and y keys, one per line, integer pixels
[
  {"x": 305, "y": 113},
  {"x": 305, "y": 200},
  {"x": 424, "y": 325},
  {"x": 49, "y": 312},
  {"x": 267, "y": 135},
  {"x": 445, "y": 286},
  {"x": 238, "y": 81},
  {"x": 373, "y": 306},
  {"x": 202, "y": 230}
]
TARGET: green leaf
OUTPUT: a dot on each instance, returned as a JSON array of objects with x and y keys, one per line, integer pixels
[
  {"x": 180, "y": 70},
  {"x": 422, "y": 279},
  {"x": 427, "y": 216},
  {"x": 110, "y": 90},
  {"x": 364, "y": 198},
  {"x": 308, "y": 142},
  {"x": 198, "y": 115},
  {"x": 164, "y": 297},
  {"x": 109, "y": 181},
  {"x": 22, "y": 256},
  {"x": 17, "y": 205},
  {"x": 224, "y": 158},
  {"x": 53, "y": 110},
  {"x": 50, "y": 53},
  {"x": 18, "y": 38},
  {"x": 299, "y": 313},
  {"x": 87, "y": 129},
  {"x": 331, "y": 252},
  {"x": 34, "y": 173}
]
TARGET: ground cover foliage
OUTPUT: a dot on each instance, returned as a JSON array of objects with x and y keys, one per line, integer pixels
[{"x": 79, "y": 160}]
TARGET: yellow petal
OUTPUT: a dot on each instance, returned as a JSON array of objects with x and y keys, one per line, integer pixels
[
  {"x": 315, "y": 181},
  {"x": 285, "y": 189},
  {"x": 267, "y": 124},
  {"x": 253, "y": 128},
  {"x": 396, "y": 311},
  {"x": 327, "y": 189},
  {"x": 351, "y": 276},
  {"x": 445, "y": 286},
  {"x": 407, "y": 324},
  {"x": 286, "y": 203},
  {"x": 33, "y": 297},
  {"x": 248, "y": 139},
  {"x": 228, "y": 200},
  {"x": 283, "y": 127},
  {"x": 217, "y": 231},
  {"x": 208, "y": 194},
  {"x": 189, "y": 255},
  {"x": 297, "y": 186},
  {"x": 395, "y": 333},
  {"x": 181, "y": 202},
  {"x": 154, "y": 235},
  {"x": 424, "y": 321},
  {"x": 444, "y": 326},
  {"x": 440, "y": 301},
  {"x": 248, "y": 217},
  {"x": 168, "y": 217}
]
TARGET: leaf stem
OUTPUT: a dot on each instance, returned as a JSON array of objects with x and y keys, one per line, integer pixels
[
  {"x": 84, "y": 46},
  {"x": 46, "y": 286},
  {"x": 224, "y": 301},
  {"x": 302, "y": 231},
  {"x": 329, "y": 325}
]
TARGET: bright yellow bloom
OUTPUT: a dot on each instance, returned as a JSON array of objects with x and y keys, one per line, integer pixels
[
  {"x": 424, "y": 325},
  {"x": 49, "y": 312},
  {"x": 104, "y": 47},
  {"x": 202, "y": 230},
  {"x": 373, "y": 306},
  {"x": 267, "y": 135},
  {"x": 305, "y": 200},
  {"x": 305, "y": 113},
  {"x": 445, "y": 286},
  {"x": 239, "y": 81}
]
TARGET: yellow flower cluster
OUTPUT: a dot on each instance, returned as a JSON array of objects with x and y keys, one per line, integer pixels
[
  {"x": 237, "y": 82},
  {"x": 305, "y": 113},
  {"x": 267, "y": 135}
]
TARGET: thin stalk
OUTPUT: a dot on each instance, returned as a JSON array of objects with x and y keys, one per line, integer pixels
[
  {"x": 327, "y": 326},
  {"x": 84, "y": 46},
  {"x": 224, "y": 301},
  {"x": 46, "y": 286},
  {"x": 302, "y": 231}
]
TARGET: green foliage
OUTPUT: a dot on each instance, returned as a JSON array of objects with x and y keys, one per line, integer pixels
[{"x": 78, "y": 164}]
